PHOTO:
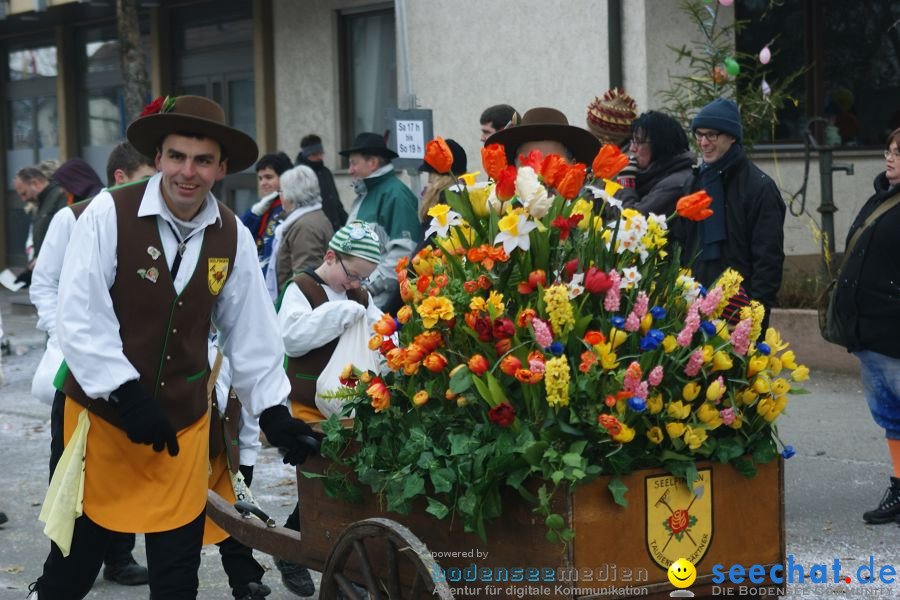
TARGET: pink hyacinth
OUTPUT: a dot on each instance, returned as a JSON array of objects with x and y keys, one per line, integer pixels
[
  {"x": 542, "y": 334},
  {"x": 694, "y": 363},
  {"x": 613, "y": 294},
  {"x": 633, "y": 322},
  {"x": 691, "y": 325},
  {"x": 727, "y": 415},
  {"x": 641, "y": 303},
  {"x": 740, "y": 337},
  {"x": 709, "y": 304},
  {"x": 536, "y": 365},
  {"x": 655, "y": 376},
  {"x": 632, "y": 377}
]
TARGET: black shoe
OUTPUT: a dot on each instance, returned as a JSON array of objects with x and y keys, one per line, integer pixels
[
  {"x": 254, "y": 591},
  {"x": 126, "y": 573},
  {"x": 889, "y": 508},
  {"x": 3, "y": 518},
  {"x": 296, "y": 578}
]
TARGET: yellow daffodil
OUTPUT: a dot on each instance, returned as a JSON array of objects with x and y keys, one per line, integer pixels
[
  {"x": 721, "y": 361},
  {"x": 801, "y": 373},
  {"x": 469, "y": 178},
  {"x": 675, "y": 429},
  {"x": 514, "y": 231},
  {"x": 678, "y": 410},
  {"x": 690, "y": 391},
  {"x": 694, "y": 437},
  {"x": 655, "y": 435},
  {"x": 442, "y": 220}
]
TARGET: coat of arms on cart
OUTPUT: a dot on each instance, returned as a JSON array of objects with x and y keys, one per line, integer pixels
[{"x": 679, "y": 519}]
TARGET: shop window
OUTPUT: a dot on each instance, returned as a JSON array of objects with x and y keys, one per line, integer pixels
[
  {"x": 31, "y": 63},
  {"x": 852, "y": 57},
  {"x": 368, "y": 71}
]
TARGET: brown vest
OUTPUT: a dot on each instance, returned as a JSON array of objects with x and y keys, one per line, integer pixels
[
  {"x": 303, "y": 371},
  {"x": 164, "y": 334}
]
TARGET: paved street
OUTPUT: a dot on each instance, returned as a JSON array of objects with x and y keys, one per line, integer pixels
[{"x": 840, "y": 470}]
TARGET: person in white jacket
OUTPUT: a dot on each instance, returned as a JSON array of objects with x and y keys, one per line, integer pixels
[
  {"x": 124, "y": 165},
  {"x": 315, "y": 311}
]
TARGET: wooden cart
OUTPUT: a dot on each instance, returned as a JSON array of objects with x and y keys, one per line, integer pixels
[{"x": 617, "y": 552}]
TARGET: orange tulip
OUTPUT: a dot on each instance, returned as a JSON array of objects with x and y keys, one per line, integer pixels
[
  {"x": 609, "y": 161},
  {"x": 528, "y": 376},
  {"x": 594, "y": 337},
  {"x": 553, "y": 169},
  {"x": 478, "y": 364},
  {"x": 506, "y": 184},
  {"x": 404, "y": 314},
  {"x": 694, "y": 206},
  {"x": 386, "y": 325},
  {"x": 380, "y": 394},
  {"x": 435, "y": 362},
  {"x": 510, "y": 364},
  {"x": 572, "y": 180},
  {"x": 493, "y": 158},
  {"x": 439, "y": 155}
]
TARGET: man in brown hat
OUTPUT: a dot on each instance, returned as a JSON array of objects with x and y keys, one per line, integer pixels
[
  {"x": 149, "y": 267},
  {"x": 548, "y": 131},
  {"x": 382, "y": 199}
]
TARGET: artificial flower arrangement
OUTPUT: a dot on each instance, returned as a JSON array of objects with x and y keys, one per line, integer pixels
[{"x": 540, "y": 342}]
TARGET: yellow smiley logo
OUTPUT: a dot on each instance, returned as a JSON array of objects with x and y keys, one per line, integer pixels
[{"x": 682, "y": 573}]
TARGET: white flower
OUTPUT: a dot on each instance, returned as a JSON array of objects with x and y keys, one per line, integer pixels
[
  {"x": 497, "y": 207},
  {"x": 442, "y": 221},
  {"x": 514, "y": 230},
  {"x": 605, "y": 196},
  {"x": 576, "y": 286},
  {"x": 532, "y": 193},
  {"x": 630, "y": 276}
]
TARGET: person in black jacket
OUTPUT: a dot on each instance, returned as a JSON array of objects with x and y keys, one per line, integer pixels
[
  {"x": 867, "y": 305},
  {"x": 312, "y": 154},
  {"x": 659, "y": 148},
  {"x": 746, "y": 229}
]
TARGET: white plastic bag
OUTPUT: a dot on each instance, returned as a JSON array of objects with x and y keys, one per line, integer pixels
[{"x": 352, "y": 347}]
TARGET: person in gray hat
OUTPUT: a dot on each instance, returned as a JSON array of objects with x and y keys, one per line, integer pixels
[
  {"x": 746, "y": 229},
  {"x": 384, "y": 200}
]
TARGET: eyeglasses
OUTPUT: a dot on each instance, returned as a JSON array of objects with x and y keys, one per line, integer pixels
[
  {"x": 711, "y": 136},
  {"x": 357, "y": 278},
  {"x": 637, "y": 142},
  {"x": 892, "y": 153}
]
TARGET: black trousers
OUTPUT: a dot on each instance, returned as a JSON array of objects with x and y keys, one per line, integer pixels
[
  {"x": 120, "y": 544},
  {"x": 173, "y": 558}
]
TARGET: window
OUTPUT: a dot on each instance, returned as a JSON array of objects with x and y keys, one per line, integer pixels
[
  {"x": 31, "y": 63},
  {"x": 853, "y": 62},
  {"x": 368, "y": 71}
]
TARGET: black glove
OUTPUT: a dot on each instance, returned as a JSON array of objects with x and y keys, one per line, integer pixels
[
  {"x": 293, "y": 437},
  {"x": 143, "y": 418},
  {"x": 247, "y": 472},
  {"x": 24, "y": 277}
]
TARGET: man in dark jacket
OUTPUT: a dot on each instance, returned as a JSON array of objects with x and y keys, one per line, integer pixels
[
  {"x": 312, "y": 154},
  {"x": 33, "y": 186},
  {"x": 746, "y": 229}
]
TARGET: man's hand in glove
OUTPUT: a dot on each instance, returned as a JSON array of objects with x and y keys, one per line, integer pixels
[
  {"x": 143, "y": 418},
  {"x": 292, "y": 436}
]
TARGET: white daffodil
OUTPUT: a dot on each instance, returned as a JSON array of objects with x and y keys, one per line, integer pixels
[
  {"x": 514, "y": 230},
  {"x": 532, "y": 193},
  {"x": 442, "y": 220}
]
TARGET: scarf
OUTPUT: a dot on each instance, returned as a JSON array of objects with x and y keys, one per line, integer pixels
[
  {"x": 713, "y": 230},
  {"x": 271, "y": 278}
]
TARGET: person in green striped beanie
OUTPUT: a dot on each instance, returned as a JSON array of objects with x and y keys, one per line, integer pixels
[{"x": 315, "y": 310}]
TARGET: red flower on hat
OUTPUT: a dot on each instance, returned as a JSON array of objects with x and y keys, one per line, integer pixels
[{"x": 154, "y": 107}]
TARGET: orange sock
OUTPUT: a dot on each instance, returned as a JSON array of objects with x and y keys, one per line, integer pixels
[{"x": 894, "y": 447}]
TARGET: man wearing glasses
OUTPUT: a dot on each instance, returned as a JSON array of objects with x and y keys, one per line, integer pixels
[
  {"x": 314, "y": 313},
  {"x": 746, "y": 229}
]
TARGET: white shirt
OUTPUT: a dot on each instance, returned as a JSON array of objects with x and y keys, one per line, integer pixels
[
  {"x": 248, "y": 432},
  {"x": 304, "y": 329},
  {"x": 44, "y": 288},
  {"x": 88, "y": 329}
]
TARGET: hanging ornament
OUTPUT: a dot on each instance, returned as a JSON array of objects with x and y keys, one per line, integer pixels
[
  {"x": 765, "y": 55},
  {"x": 719, "y": 76},
  {"x": 726, "y": 2},
  {"x": 732, "y": 67},
  {"x": 766, "y": 88}
]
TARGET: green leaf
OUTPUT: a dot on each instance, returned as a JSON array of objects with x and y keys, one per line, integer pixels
[
  {"x": 496, "y": 389},
  {"x": 437, "y": 508},
  {"x": 555, "y": 521},
  {"x": 482, "y": 389},
  {"x": 799, "y": 391},
  {"x": 442, "y": 480},
  {"x": 746, "y": 467},
  {"x": 667, "y": 455},
  {"x": 728, "y": 449},
  {"x": 618, "y": 489},
  {"x": 570, "y": 459},
  {"x": 413, "y": 485},
  {"x": 534, "y": 453},
  {"x": 461, "y": 380},
  {"x": 765, "y": 451}
]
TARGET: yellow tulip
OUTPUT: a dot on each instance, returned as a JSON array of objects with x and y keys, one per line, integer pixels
[
  {"x": 801, "y": 373},
  {"x": 708, "y": 413},
  {"x": 758, "y": 362},
  {"x": 737, "y": 423},
  {"x": 715, "y": 391},
  {"x": 678, "y": 410},
  {"x": 774, "y": 365},
  {"x": 625, "y": 435},
  {"x": 780, "y": 386},
  {"x": 690, "y": 391},
  {"x": 721, "y": 361},
  {"x": 694, "y": 437},
  {"x": 655, "y": 435},
  {"x": 478, "y": 199},
  {"x": 654, "y": 404},
  {"x": 773, "y": 339},
  {"x": 707, "y": 353},
  {"x": 669, "y": 343},
  {"x": 420, "y": 398},
  {"x": 646, "y": 323},
  {"x": 788, "y": 360},
  {"x": 617, "y": 337},
  {"x": 675, "y": 430},
  {"x": 761, "y": 385},
  {"x": 748, "y": 396}
]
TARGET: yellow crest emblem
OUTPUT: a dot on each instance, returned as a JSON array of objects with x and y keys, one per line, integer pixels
[
  {"x": 679, "y": 519},
  {"x": 217, "y": 274}
]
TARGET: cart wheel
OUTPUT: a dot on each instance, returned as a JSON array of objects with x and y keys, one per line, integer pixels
[{"x": 402, "y": 557}]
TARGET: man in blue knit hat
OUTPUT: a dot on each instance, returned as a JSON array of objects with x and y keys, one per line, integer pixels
[{"x": 746, "y": 229}]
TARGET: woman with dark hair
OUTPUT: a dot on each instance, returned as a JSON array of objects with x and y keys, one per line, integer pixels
[
  {"x": 659, "y": 147},
  {"x": 868, "y": 312}
]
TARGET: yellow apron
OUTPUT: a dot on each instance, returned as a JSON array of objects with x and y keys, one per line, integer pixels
[
  {"x": 306, "y": 413},
  {"x": 131, "y": 488}
]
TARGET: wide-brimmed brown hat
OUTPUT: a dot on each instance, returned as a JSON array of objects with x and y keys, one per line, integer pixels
[
  {"x": 543, "y": 123},
  {"x": 191, "y": 114}
]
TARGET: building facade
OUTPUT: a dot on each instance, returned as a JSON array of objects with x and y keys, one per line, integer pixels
[{"x": 285, "y": 68}]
